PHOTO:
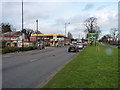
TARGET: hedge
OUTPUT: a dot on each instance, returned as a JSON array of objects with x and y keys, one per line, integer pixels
[{"x": 16, "y": 49}]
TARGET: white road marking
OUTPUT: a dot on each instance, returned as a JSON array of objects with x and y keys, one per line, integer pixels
[
  {"x": 33, "y": 60},
  {"x": 6, "y": 56}
]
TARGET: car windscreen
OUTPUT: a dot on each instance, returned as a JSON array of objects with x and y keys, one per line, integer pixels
[
  {"x": 72, "y": 45},
  {"x": 79, "y": 44}
]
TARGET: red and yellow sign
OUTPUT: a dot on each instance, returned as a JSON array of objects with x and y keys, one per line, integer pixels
[{"x": 44, "y": 35}]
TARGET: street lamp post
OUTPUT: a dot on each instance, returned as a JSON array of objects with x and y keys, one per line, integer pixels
[
  {"x": 79, "y": 36},
  {"x": 22, "y": 28},
  {"x": 65, "y": 32},
  {"x": 37, "y": 31},
  {"x": 65, "y": 28}
]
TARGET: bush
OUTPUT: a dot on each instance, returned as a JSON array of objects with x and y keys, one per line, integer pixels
[
  {"x": 15, "y": 49},
  {"x": 3, "y": 44}
]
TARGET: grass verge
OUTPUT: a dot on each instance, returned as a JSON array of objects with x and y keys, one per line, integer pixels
[{"x": 90, "y": 69}]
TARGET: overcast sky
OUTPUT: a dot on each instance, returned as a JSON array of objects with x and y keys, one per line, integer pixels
[{"x": 53, "y": 15}]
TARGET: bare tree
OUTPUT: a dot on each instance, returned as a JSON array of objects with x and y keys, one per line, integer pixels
[
  {"x": 90, "y": 24},
  {"x": 114, "y": 33},
  {"x": 97, "y": 30},
  {"x": 28, "y": 33},
  {"x": 106, "y": 38}
]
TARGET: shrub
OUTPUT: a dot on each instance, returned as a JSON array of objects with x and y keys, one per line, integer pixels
[
  {"x": 14, "y": 49},
  {"x": 4, "y": 44}
]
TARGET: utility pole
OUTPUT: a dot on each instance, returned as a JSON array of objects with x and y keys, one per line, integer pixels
[
  {"x": 22, "y": 29},
  {"x": 65, "y": 29},
  {"x": 37, "y": 31}
]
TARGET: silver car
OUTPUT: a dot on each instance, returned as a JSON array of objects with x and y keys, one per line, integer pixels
[{"x": 80, "y": 45}]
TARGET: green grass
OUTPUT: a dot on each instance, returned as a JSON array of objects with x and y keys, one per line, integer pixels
[{"x": 90, "y": 69}]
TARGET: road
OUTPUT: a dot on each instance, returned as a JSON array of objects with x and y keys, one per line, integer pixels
[{"x": 33, "y": 69}]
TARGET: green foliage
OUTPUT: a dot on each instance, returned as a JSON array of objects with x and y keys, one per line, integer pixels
[
  {"x": 16, "y": 49},
  {"x": 4, "y": 44},
  {"x": 90, "y": 69},
  {"x": 6, "y": 28},
  {"x": 9, "y": 49}
]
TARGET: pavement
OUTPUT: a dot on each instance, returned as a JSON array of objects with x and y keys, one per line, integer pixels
[
  {"x": 108, "y": 45},
  {"x": 33, "y": 69}
]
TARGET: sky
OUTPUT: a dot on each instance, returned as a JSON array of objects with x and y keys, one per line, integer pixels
[{"x": 52, "y": 16}]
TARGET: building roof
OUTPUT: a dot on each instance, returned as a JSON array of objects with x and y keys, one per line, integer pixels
[{"x": 11, "y": 36}]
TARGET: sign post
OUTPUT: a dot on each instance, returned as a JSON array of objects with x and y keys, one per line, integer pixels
[{"x": 92, "y": 37}]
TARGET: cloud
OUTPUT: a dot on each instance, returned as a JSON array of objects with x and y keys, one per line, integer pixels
[
  {"x": 106, "y": 19},
  {"x": 60, "y": 1},
  {"x": 75, "y": 27},
  {"x": 101, "y": 7},
  {"x": 60, "y": 21},
  {"x": 46, "y": 28},
  {"x": 52, "y": 16},
  {"x": 1, "y": 13},
  {"x": 88, "y": 7}
]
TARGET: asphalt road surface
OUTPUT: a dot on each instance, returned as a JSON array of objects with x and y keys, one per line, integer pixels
[{"x": 33, "y": 69}]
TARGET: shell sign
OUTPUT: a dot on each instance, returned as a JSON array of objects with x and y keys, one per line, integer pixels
[{"x": 32, "y": 38}]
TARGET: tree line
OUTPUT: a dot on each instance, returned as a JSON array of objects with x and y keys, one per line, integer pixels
[{"x": 111, "y": 37}]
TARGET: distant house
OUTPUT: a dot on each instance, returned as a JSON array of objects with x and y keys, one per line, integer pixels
[{"x": 13, "y": 39}]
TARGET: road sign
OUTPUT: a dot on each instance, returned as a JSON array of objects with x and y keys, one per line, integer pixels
[
  {"x": 92, "y": 37},
  {"x": 54, "y": 36}
]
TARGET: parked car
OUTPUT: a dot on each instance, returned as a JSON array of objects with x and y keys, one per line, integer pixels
[
  {"x": 80, "y": 45},
  {"x": 73, "y": 48}
]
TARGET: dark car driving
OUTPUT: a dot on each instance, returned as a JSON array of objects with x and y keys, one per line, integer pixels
[{"x": 73, "y": 48}]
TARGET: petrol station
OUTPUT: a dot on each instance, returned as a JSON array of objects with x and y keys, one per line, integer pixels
[{"x": 50, "y": 39}]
